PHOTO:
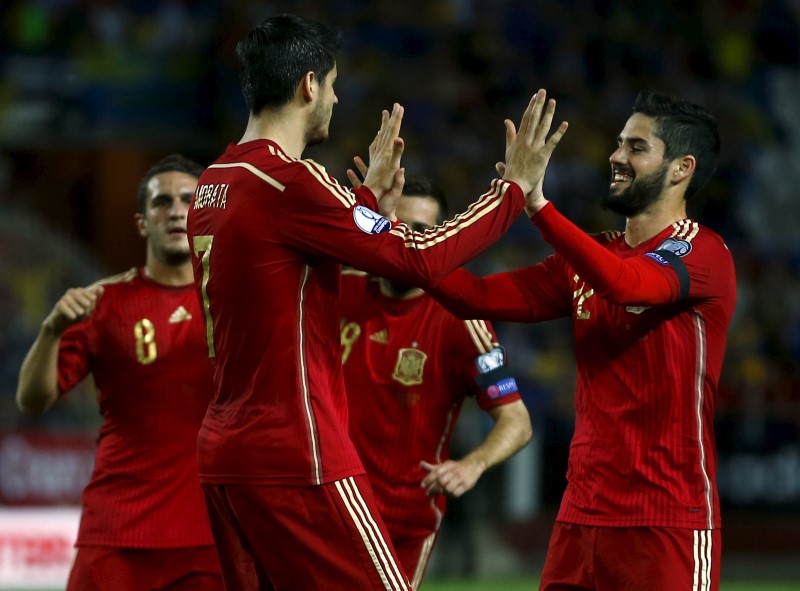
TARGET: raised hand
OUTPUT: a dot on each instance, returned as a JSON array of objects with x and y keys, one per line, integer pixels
[
  {"x": 75, "y": 305},
  {"x": 528, "y": 151},
  {"x": 384, "y": 154}
]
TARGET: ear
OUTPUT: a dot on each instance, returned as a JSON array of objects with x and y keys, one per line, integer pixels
[
  {"x": 682, "y": 168},
  {"x": 308, "y": 86},
  {"x": 141, "y": 224}
]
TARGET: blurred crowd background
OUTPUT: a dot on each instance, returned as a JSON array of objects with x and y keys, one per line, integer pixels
[{"x": 93, "y": 91}]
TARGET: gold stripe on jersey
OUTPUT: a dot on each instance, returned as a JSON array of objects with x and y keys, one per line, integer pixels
[
  {"x": 372, "y": 536},
  {"x": 685, "y": 230},
  {"x": 354, "y": 272},
  {"x": 249, "y": 167},
  {"x": 481, "y": 336},
  {"x": 699, "y": 379},
  {"x": 443, "y": 437},
  {"x": 343, "y": 194},
  {"x": 422, "y": 561},
  {"x": 312, "y": 427},
  {"x": 488, "y": 202},
  {"x": 123, "y": 277}
]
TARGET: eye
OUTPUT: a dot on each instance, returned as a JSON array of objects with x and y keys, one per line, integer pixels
[{"x": 161, "y": 201}]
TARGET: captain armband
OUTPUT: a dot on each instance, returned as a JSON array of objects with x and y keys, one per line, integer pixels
[{"x": 494, "y": 377}]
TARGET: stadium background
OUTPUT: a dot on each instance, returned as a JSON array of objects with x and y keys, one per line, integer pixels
[{"x": 93, "y": 91}]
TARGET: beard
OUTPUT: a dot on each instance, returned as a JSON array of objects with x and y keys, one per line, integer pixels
[
  {"x": 317, "y": 131},
  {"x": 639, "y": 195}
]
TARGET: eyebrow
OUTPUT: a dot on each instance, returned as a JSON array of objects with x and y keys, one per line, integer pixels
[{"x": 632, "y": 140}]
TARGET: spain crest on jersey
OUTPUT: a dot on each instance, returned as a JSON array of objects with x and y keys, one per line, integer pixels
[{"x": 409, "y": 367}]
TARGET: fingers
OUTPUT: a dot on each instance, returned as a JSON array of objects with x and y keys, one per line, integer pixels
[
  {"x": 360, "y": 165},
  {"x": 500, "y": 167},
  {"x": 354, "y": 180},
  {"x": 75, "y": 305},
  {"x": 556, "y": 137},
  {"x": 511, "y": 132}
]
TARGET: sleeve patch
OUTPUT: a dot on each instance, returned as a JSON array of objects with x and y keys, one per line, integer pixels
[
  {"x": 494, "y": 377},
  {"x": 491, "y": 360},
  {"x": 656, "y": 257},
  {"x": 502, "y": 388},
  {"x": 370, "y": 222},
  {"x": 678, "y": 247}
]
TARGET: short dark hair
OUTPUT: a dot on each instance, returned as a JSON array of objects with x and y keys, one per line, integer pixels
[
  {"x": 171, "y": 163},
  {"x": 685, "y": 128},
  {"x": 421, "y": 186},
  {"x": 275, "y": 55}
]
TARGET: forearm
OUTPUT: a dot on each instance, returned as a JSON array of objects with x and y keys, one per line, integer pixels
[
  {"x": 512, "y": 431},
  {"x": 37, "y": 388},
  {"x": 622, "y": 281},
  {"x": 496, "y": 297}
]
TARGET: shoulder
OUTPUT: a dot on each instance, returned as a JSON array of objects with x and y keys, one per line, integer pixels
[
  {"x": 690, "y": 237},
  {"x": 120, "y": 280},
  {"x": 608, "y": 236},
  {"x": 354, "y": 286},
  {"x": 352, "y": 278},
  {"x": 480, "y": 335}
]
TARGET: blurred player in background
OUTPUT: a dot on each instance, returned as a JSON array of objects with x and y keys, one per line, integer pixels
[
  {"x": 408, "y": 366},
  {"x": 651, "y": 309},
  {"x": 289, "y": 504},
  {"x": 141, "y": 335}
]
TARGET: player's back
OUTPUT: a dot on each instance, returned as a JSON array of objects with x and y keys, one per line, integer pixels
[{"x": 279, "y": 416}]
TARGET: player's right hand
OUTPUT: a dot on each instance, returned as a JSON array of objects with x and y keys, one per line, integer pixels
[
  {"x": 528, "y": 151},
  {"x": 75, "y": 305}
]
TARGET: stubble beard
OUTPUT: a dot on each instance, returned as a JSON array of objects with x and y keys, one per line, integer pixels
[
  {"x": 642, "y": 193},
  {"x": 317, "y": 131}
]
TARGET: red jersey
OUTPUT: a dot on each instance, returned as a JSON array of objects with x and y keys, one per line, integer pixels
[
  {"x": 268, "y": 234},
  {"x": 650, "y": 326},
  {"x": 408, "y": 366},
  {"x": 144, "y": 344}
]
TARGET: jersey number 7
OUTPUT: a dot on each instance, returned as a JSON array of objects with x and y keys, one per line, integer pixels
[{"x": 202, "y": 250}]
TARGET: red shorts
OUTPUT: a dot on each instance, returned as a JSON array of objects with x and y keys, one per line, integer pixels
[
  {"x": 414, "y": 554},
  {"x": 100, "y": 568},
  {"x": 290, "y": 538},
  {"x": 582, "y": 557}
]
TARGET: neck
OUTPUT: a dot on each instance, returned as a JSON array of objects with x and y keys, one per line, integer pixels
[
  {"x": 285, "y": 127},
  {"x": 173, "y": 275},
  {"x": 645, "y": 225},
  {"x": 387, "y": 289}
]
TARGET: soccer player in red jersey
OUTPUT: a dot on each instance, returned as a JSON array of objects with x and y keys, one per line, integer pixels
[
  {"x": 408, "y": 366},
  {"x": 141, "y": 335},
  {"x": 651, "y": 309},
  {"x": 289, "y": 504}
]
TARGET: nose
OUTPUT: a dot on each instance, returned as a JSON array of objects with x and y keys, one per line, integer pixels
[
  {"x": 617, "y": 156},
  {"x": 179, "y": 208}
]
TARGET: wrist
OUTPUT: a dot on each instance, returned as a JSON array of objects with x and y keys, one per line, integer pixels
[{"x": 534, "y": 206}]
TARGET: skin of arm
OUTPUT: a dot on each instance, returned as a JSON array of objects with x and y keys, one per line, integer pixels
[
  {"x": 511, "y": 431},
  {"x": 37, "y": 388}
]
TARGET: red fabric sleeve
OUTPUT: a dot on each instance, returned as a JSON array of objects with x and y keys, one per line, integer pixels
[
  {"x": 74, "y": 352},
  {"x": 530, "y": 294},
  {"x": 637, "y": 280},
  {"x": 320, "y": 218}
]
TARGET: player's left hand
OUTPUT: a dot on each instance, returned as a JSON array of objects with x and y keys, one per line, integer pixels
[
  {"x": 387, "y": 204},
  {"x": 452, "y": 478}
]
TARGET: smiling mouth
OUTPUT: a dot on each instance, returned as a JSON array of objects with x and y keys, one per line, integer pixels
[{"x": 621, "y": 177}]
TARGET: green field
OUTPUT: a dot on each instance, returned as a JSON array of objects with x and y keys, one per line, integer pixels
[{"x": 531, "y": 584}]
